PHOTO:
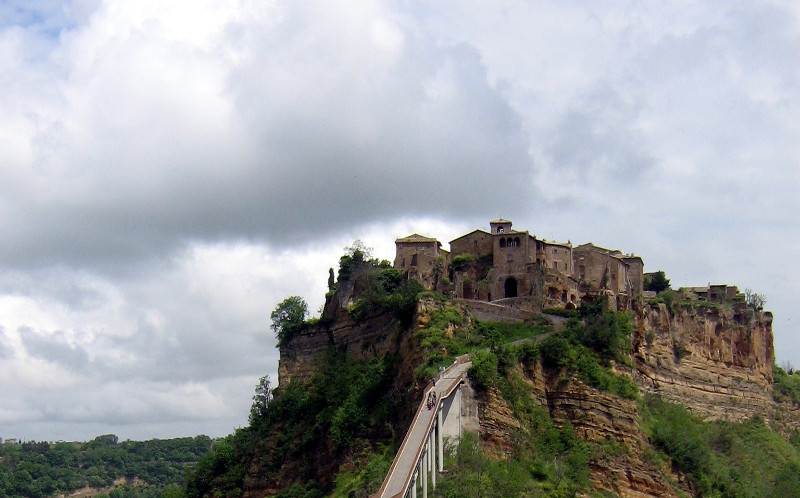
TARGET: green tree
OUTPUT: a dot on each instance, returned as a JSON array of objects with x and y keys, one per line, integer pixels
[
  {"x": 288, "y": 317},
  {"x": 354, "y": 256},
  {"x": 657, "y": 282},
  {"x": 261, "y": 400}
]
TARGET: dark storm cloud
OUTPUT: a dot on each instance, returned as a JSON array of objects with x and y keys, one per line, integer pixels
[
  {"x": 320, "y": 125},
  {"x": 55, "y": 348}
]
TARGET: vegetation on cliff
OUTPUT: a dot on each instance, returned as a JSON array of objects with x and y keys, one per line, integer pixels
[
  {"x": 722, "y": 459},
  {"x": 307, "y": 430},
  {"x": 786, "y": 385},
  {"x": 288, "y": 318}
]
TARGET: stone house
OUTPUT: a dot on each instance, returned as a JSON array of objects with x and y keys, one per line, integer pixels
[
  {"x": 608, "y": 269},
  {"x": 422, "y": 258},
  {"x": 513, "y": 265}
]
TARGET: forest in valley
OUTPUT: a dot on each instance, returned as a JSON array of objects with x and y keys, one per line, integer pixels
[{"x": 111, "y": 468}]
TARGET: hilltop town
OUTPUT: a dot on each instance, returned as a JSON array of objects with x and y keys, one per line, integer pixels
[{"x": 517, "y": 269}]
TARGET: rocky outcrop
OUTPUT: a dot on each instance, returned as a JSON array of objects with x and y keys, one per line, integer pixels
[
  {"x": 597, "y": 417},
  {"x": 300, "y": 355},
  {"x": 715, "y": 359},
  {"x": 497, "y": 423}
]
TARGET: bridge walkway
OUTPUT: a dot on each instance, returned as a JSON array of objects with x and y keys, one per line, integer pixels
[{"x": 421, "y": 434}]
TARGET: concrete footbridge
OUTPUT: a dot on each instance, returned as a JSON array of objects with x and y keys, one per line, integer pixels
[{"x": 422, "y": 453}]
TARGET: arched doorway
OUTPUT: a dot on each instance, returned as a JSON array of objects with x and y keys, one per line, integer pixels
[{"x": 510, "y": 287}]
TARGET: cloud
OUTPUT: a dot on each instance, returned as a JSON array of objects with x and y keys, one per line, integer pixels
[
  {"x": 153, "y": 139},
  {"x": 171, "y": 171}
]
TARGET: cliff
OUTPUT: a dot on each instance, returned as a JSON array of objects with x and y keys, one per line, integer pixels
[
  {"x": 597, "y": 417},
  {"x": 714, "y": 359}
]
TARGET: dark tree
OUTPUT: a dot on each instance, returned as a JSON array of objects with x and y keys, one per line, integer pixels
[{"x": 657, "y": 282}]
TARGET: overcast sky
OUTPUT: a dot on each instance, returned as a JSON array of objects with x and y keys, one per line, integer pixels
[{"x": 170, "y": 171}]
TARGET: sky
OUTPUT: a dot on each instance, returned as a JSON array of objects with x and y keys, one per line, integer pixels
[{"x": 170, "y": 171}]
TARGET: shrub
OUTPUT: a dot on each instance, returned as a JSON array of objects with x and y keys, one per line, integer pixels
[
  {"x": 484, "y": 369},
  {"x": 785, "y": 386},
  {"x": 386, "y": 289},
  {"x": 556, "y": 352}
]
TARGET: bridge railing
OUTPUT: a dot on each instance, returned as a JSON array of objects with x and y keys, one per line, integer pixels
[{"x": 422, "y": 409}]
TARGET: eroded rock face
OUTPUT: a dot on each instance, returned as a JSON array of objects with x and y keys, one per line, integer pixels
[
  {"x": 715, "y": 360},
  {"x": 595, "y": 416},
  {"x": 497, "y": 422},
  {"x": 300, "y": 356}
]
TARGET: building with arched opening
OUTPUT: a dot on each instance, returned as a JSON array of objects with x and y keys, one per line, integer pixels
[{"x": 504, "y": 263}]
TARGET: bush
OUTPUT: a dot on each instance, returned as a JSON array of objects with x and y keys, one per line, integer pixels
[
  {"x": 386, "y": 289},
  {"x": 785, "y": 386},
  {"x": 606, "y": 333},
  {"x": 556, "y": 352},
  {"x": 484, "y": 369}
]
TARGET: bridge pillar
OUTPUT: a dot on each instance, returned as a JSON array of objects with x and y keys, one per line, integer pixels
[
  {"x": 432, "y": 439},
  {"x": 439, "y": 434},
  {"x": 414, "y": 485},
  {"x": 425, "y": 473}
]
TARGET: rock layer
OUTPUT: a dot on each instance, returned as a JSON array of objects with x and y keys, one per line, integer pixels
[{"x": 714, "y": 359}]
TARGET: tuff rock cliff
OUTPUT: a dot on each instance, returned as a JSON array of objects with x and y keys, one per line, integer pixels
[{"x": 714, "y": 359}]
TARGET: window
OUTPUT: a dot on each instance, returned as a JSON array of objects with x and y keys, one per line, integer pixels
[
  {"x": 414, "y": 260},
  {"x": 502, "y": 243},
  {"x": 499, "y": 229},
  {"x": 516, "y": 241}
]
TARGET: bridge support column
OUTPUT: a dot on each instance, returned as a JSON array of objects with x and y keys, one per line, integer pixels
[
  {"x": 460, "y": 410},
  {"x": 425, "y": 473},
  {"x": 432, "y": 438},
  {"x": 414, "y": 485},
  {"x": 440, "y": 443}
]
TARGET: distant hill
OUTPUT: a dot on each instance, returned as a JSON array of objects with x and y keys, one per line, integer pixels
[{"x": 101, "y": 467}]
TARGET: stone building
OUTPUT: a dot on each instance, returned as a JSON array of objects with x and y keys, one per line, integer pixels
[
  {"x": 422, "y": 258},
  {"x": 608, "y": 269},
  {"x": 522, "y": 267},
  {"x": 508, "y": 264}
]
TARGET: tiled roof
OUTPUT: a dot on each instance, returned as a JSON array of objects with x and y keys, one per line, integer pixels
[{"x": 415, "y": 237}]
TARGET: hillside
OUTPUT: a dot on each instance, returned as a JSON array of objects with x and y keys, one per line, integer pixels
[{"x": 673, "y": 397}]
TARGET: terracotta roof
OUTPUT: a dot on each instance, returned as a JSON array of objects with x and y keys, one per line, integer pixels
[{"x": 415, "y": 237}]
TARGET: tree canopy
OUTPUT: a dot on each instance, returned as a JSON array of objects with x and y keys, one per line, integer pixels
[
  {"x": 657, "y": 282},
  {"x": 288, "y": 317}
]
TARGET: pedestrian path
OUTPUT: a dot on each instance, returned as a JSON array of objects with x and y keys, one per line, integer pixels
[{"x": 421, "y": 434}]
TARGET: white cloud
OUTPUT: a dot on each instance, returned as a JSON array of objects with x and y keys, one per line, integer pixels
[{"x": 171, "y": 171}]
